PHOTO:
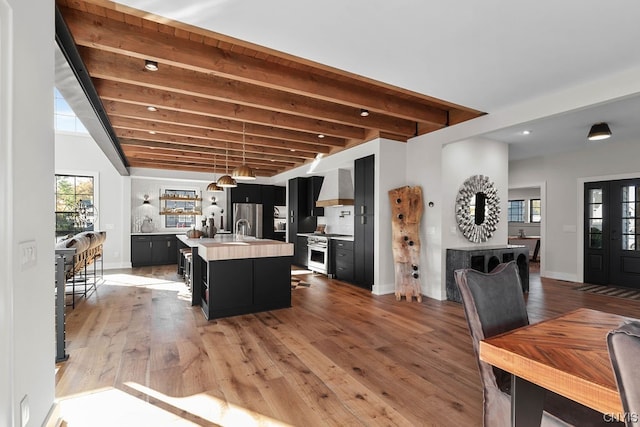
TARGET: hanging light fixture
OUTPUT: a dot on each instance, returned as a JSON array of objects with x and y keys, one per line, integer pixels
[
  {"x": 226, "y": 181},
  {"x": 599, "y": 131},
  {"x": 243, "y": 172},
  {"x": 214, "y": 187}
]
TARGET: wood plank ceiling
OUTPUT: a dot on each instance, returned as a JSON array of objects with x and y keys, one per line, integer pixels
[{"x": 209, "y": 87}]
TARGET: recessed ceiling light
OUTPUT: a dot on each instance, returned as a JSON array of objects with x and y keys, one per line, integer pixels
[
  {"x": 292, "y": 149},
  {"x": 150, "y": 65},
  {"x": 526, "y": 132},
  {"x": 152, "y": 108},
  {"x": 152, "y": 132},
  {"x": 320, "y": 136},
  {"x": 363, "y": 112}
]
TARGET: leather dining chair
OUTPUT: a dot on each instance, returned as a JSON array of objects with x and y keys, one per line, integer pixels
[
  {"x": 624, "y": 348},
  {"x": 493, "y": 304}
]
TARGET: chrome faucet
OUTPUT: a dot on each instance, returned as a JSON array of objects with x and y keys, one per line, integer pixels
[{"x": 246, "y": 227}]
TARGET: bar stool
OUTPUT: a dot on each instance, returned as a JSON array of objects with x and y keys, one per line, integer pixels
[
  {"x": 181, "y": 264},
  {"x": 187, "y": 269}
]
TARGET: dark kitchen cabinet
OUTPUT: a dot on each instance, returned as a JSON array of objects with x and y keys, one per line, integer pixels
[
  {"x": 342, "y": 259},
  {"x": 279, "y": 195},
  {"x": 267, "y": 197},
  {"x": 298, "y": 216},
  {"x": 364, "y": 209},
  {"x": 314, "y": 183},
  {"x": 246, "y": 193},
  {"x": 158, "y": 249},
  {"x": 300, "y": 251}
]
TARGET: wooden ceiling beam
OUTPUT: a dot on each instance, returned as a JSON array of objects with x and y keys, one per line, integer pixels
[
  {"x": 149, "y": 157},
  {"x": 181, "y": 166},
  {"x": 138, "y": 111},
  {"x": 200, "y": 161},
  {"x": 125, "y": 69},
  {"x": 231, "y": 138},
  {"x": 219, "y": 152},
  {"x": 111, "y": 90},
  {"x": 127, "y": 135},
  {"x": 137, "y": 41}
]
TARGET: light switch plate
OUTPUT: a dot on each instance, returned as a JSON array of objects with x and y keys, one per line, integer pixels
[{"x": 28, "y": 254}]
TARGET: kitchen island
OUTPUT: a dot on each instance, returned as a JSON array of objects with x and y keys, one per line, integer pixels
[{"x": 235, "y": 277}]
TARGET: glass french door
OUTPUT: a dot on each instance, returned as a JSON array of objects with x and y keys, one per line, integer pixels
[{"x": 612, "y": 233}]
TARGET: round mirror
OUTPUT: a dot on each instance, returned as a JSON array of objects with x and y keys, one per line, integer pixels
[{"x": 477, "y": 208}]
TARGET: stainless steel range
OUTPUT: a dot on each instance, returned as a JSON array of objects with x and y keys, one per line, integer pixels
[{"x": 318, "y": 258}]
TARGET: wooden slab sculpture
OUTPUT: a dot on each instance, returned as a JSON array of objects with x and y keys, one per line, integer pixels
[{"x": 406, "y": 213}]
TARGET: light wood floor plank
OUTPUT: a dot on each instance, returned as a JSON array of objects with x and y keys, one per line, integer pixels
[{"x": 339, "y": 356}]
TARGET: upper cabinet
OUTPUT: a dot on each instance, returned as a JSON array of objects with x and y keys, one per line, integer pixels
[
  {"x": 364, "y": 176},
  {"x": 246, "y": 193},
  {"x": 279, "y": 196},
  {"x": 314, "y": 184}
]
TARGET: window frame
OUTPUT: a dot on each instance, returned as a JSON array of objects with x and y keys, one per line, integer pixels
[
  {"x": 521, "y": 213},
  {"x": 96, "y": 185},
  {"x": 531, "y": 211}
]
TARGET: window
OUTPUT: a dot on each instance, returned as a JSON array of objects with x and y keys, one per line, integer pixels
[
  {"x": 65, "y": 119},
  {"x": 535, "y": 212},
  {"x": 75, "y": 210},
  {"x": 515, "y": 211},
  {"x": 177, "y": 205}
]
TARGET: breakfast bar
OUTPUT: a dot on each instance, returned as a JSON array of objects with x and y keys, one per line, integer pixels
[{"x": 239, "y": 276}]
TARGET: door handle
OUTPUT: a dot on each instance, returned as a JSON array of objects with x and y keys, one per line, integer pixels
[
  {"x": 363, "y": 220},
  {"x": 362, "y": 209}
]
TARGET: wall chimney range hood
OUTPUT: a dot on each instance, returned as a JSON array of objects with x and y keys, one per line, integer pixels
[{"x": 337, "y": 189}]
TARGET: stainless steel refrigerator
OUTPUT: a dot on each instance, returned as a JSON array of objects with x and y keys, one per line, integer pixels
[{"x": 251, "y": 212}]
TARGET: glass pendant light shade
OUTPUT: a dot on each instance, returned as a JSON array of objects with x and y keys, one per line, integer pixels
[{"x": 243, "y": 172}]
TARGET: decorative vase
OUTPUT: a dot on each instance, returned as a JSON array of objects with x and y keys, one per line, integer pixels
[
  {"x": 146, "y": 226},
  {"x": 212, "y": 228}
]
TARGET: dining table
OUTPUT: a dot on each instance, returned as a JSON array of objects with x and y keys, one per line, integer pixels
[{"x": 566, "y": 354}]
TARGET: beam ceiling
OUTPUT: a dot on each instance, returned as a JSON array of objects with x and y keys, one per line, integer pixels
[{"x": 209, "y": 87}]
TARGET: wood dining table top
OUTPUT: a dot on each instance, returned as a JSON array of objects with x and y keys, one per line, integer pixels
[{"x": 567, "y": 355}]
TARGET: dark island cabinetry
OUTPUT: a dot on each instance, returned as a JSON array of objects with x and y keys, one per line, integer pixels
[{"x": 241, "y": 286}]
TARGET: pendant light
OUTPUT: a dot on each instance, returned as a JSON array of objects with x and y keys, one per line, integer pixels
[
  {"x": 214, "y": 187},
  {"x": 599, "y": 131},
  {"x": 243, "y": 172},
  {"x": 226, "y": 181}
]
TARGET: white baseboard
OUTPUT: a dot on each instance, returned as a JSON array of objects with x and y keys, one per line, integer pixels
[
  {"x": 559, "y": 276},
  {"x": 116, "y": 265},
  {"x": 384, "y": 289}
]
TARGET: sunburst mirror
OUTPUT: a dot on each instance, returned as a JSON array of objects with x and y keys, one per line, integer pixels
[{"x": 478, "y": 208}]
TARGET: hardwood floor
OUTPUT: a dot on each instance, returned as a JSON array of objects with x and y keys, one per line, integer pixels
[{"x": 141, "y": 355}]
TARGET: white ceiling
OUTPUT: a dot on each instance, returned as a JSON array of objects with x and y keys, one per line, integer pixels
[{"x": 487, "y": 55}]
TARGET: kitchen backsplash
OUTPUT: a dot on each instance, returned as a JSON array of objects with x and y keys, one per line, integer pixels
[{"x": 339, "y": 219}]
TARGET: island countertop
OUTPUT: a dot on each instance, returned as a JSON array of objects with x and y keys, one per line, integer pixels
[{"x": 226, "y": 247}]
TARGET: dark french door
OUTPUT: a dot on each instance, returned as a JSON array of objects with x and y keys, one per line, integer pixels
[{"x": 612, "y": 232}]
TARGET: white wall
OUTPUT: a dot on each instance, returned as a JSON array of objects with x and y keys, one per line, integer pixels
[
  {"x": 80, "y": 155},
  {"x": 26, "y": 143},
  {"x": 565, "y": 176},
  {"x": 154, "y": 186},
  {"x": 424, "y": 168}
]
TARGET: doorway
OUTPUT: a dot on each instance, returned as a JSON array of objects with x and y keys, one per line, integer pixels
[{"x": 612, "y": 236}]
